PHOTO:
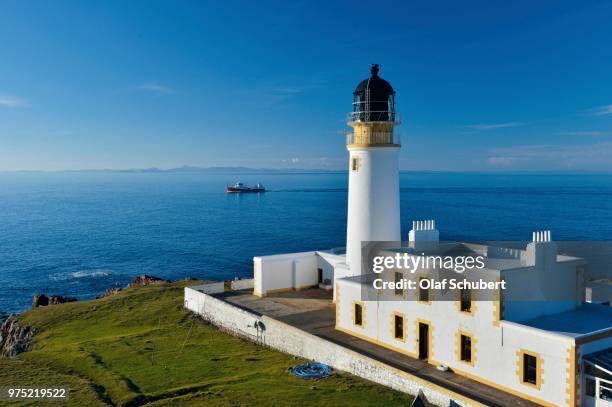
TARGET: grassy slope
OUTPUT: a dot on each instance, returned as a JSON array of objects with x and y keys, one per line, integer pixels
[{"x": 139, "y": 346}]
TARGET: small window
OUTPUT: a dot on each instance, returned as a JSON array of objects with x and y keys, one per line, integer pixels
[
  {"x": 320, "y": 275},
  {"x": 398, "y": 277},
  {"x": 398, "y": 327},
  {"x": 423, "y": 292},
  {"x": 530, "y": 369},
  {"x": 466, "y": 300},
  {"x": 354, "y": 163},
  {"x": 466, "y": 348},
  {"x": 358, "y": 314}
]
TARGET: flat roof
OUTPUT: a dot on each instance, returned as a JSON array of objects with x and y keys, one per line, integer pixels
[{"x": 587, "y": 319}]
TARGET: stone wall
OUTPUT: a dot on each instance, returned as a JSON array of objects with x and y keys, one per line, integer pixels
[{"x": 278, "y": 335}]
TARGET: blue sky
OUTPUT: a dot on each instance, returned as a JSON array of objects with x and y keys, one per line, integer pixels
[{"x": 486, "y": 86}]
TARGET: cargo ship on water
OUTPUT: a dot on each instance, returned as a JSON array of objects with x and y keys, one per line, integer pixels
[{"x": 240, "y": 187}]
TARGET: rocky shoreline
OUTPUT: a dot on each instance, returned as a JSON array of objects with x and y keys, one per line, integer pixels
[{"x": 16, "y": 338}]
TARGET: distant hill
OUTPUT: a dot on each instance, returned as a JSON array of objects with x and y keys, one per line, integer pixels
[{"x": 187, "y": 168}]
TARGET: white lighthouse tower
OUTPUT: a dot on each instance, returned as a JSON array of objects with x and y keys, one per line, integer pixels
[{"x": 373, "y": 198}]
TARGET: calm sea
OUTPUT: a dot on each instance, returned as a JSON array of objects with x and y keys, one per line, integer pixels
[{"x": 81, "y": 233}]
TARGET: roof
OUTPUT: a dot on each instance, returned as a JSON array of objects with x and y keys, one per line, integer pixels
[
  {"x": 375, "y": 84},
  {"x": 587, "y": 319}
]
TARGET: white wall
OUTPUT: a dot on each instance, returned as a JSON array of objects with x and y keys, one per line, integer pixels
[
  {"x": 284, "y": 271},
  {"x": 554, "y": 352},
  {"x": 327, "y": 262},
  {"x": 495, "y": 347},
  {"x": 243, "y": 284},
  {"x": 556, "y": 287},
  {"x": 373, "y": 201},
  {"x": 210, "y": 288},
  {"x": 348, "y": 293}
]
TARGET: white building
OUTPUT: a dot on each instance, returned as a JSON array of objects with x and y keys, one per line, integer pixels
[{"x": 537, "y": 338}]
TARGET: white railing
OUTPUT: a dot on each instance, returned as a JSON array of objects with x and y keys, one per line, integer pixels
[
  {"x": 374, "y": 138},
  {"x": 374, "y": 116}
]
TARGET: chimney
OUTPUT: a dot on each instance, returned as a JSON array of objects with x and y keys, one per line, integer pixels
[
  {"x": 541, "y": 252},
  {"x": 423, "y": 234}
]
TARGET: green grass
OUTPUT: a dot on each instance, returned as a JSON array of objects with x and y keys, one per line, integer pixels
[{"x": 140, "y": 346}]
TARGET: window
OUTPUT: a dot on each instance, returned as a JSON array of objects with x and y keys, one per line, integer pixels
[
  {"x": 358, "y": 315},
  {"x": 530, "y": 369},
  {"x": 320, "y": 275},
  {"x": 354, "y": 163},
  {"x": 423, "y": 292},
  {"x": 398, "y": 277},
  {"x": 466, "y": 300},
  {"x": 466, "y": 348},
  {"x": 398, "y": 327}
]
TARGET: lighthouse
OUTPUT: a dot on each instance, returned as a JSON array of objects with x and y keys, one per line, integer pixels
[{"x": 373, "y": 192}]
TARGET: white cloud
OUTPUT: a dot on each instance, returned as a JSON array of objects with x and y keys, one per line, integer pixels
[
  {"x": 601, "y": 110},
  {"x": 494, "y": 126},
  {"x": 153, "y": 88},
  {"x": 12, "y": 101},
  {"x": 295, "y": 160}
]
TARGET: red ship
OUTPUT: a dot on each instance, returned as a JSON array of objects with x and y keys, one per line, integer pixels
[{"x": 240, "y": 187}]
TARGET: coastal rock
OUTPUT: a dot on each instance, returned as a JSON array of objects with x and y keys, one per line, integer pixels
[
  {"x": 145, "y": 279},
  {"x": 41, "y": 300},
  {"x": 14, "y": 338},
  {"x": 138, "y": 281},
  {"x": 109, "y": 292}
]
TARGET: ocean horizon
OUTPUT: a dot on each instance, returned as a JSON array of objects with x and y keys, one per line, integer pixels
[{"x": 79, "y": 233}]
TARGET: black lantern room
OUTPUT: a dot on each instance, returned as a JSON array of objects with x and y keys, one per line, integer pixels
[{"x": 374, "y": 99}]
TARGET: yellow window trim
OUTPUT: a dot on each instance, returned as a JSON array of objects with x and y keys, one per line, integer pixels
[
  {"x": 472, "y": 310},
  {"x": 355, "y": 163},
  {"x": 458, "y": 347},
  {"x": 363, "y": 320},
  {"x": 398, "y": 314},
  {"x": 539, "y": 370}
]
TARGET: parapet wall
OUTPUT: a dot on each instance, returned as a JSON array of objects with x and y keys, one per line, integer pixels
[
  {"x": 292, "y": 271},
  {"x": 280, "y": 336}
]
